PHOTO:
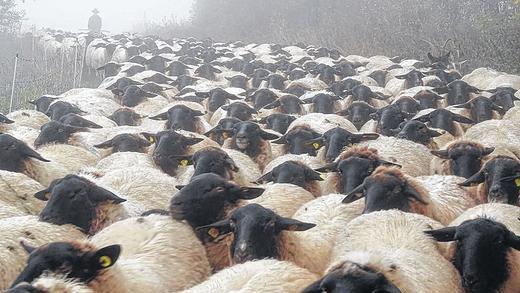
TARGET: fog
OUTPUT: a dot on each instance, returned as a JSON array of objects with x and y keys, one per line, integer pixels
[{"x": 118, "y": 15}]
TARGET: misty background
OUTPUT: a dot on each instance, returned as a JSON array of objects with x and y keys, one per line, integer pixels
[{"x": 478, "y": 33}]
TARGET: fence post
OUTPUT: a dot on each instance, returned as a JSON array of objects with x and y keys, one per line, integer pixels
[
  {"x": 12, "y": 86},
  {"x": 75, "y": 64}
]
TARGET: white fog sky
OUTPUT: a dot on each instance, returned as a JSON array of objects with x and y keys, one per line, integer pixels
[{"x": 117, "y": 15}]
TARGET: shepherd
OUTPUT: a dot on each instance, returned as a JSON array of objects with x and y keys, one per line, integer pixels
[{"x": 94, "y": 23}]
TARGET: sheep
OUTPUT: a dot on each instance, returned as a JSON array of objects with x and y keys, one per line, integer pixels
[
  {"x": 125, "y": 160},
  {"x": 386, "y": 119},
  {"x": 183, "y": 117},
  {"x": 8, "y": 211},
  {"x": 257, "y": 233},
  {"x": 459, "y": 92},
  {"x": 333, "y": 141},
  {"x": 228, "y": 163},
  {"x": 418, "y": 132},
  {"x": 287, "y": 104},
  {"x": 60, "y": 108},
  {"x": 460, "y": 158},
  {"x": 504, "y": 97},
  {"x": 148, "y": 187},
  {"x": 512, "y": 114},
  {"x": 438, "y": 197},
  {"x": 90, "y": 208},
  {"x": 492, "y": 132},
  {"x": 255, "y": 276},
  {"x": 172, "y": 147},
  {"x": 17, "y": 194},
  {"x": 125, "y": 116},
  {"x": 251, "y": 140},
  {"x": 364, "y": 93},
  {"x": 223, "y": 130},
  {"x": 380, "y": 251},
  {"x": 428, "y": 99},
  {"x": 284, "y": 199},
  {"x": 294, "y": 172},
  {"x": 497, "y": 181},
  {"x": 72, "y": 158},
  {"x": 19, "y": 157},
  {"x": 51, "y": 284},
  {"x": 358, "y": 112},
  {"x": 57, "y": 132},
  {"x": 320, "y": 123},
  {"x": 13, "y": 256},
  {"x": 322, "y": 102},
  {"x": 90, "y": 104},
  {"x": 314, "y": 246},
  {"x": 238, "y": 109},
  {"x": 350, "y": 169},
  {"x": 481, "y": 109},
  {"x": 296, "y": 141},
  {"x": 209, "y": 198},
  {"x": 124, "y": 143},
  {"x": 485, "y": 250},
  {"x": 444, "y": 119},
  {"x": 413, "y": 157},
  {"x": 42, "y": 103},
  {"x": 28, "y": 118},
  {"x": 154, "y": 244},
  {"x": 78, "y": 121}
]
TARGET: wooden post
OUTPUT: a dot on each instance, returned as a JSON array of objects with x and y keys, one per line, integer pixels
[{"x": 12, "y": 85}]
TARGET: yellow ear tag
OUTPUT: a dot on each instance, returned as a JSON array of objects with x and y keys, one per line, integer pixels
[
  {"x": 323, "y": 176},
  {"x": 213, "y": 232},
  {"x": 517, "y": 182},
  {"x": 105, "y": 261},
  {"x": 316, "y": 145},
  {"x": 151, "y": 139},
  {"x": 225, "y": 135},
  {"x": 184, "y": 163}
]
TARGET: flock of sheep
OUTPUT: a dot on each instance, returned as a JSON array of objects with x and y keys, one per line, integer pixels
[{"x": 199, "y": 166}]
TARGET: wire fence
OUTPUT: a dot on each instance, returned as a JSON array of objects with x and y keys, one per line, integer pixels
[{"x": 28, "y": 71}]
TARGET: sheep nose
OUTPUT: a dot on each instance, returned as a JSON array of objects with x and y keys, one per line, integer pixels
[{"x": 470, "y": 280}]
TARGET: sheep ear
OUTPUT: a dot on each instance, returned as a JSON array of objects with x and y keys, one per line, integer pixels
[
  {"x": 224, "y": 107},
  {"x": 43, "y": 195},
  {"x": 513, "y": 241},
  {"x": 179, "y": 187},
  {"x": 197, "y": 113},
  {"x": 213, "y": 231},
  {"x": 434, "y": 133},
  {"x": 332, "y": 167},
  {"x": 316, "y": 143},
  {"x": 443, "y": 235},
  {"x": 313, "y": 175},
  {"x": 308, "y": 100},
  {"x": 474, "y": 89},
  {"x": 380, "y": 96},
  {"x": 269, "y": 136},
  {"x": 365, "y": 136},
  {"x": 281, "y": 140},
  {"x": 193, "y": 140},
  {"x": 430, "y": 56},
  {"x": 117, "y": 92},
  {"x": 413, "y": 193},
  {"x": 204, "y": 95},
  {"x": 250, "y": 192},
  {"x": 403, "y": 76},
  {"x": 184, "y": 160},
  {"x": 443, "y": 154},
  {"x": 314, "y": 287},
  {"x": 466, "y": 105},
  {"x": 152, "y": 138},
  {"x": 355, "y": 194},
  {"x": 27, "y": 151},
  {"x": 272, "y": 105},
  {"x": 289, "y": 224},
  {"x": 267, "y": 177},
  {"x": 27, "y": 247},
  {"x": 389, "y": 287},
  {"x": 476, "y": 179},
  {"x": 106, "y": 257},
  {"x": 499, "y": 109},
  {"x": 423, "y": 119},
  {"x": 385, "y": 162},
  {"x": 162, "y": 116},
  {"x": 99, "y": 194},
  {"x": 487, "y": 151},
  {"x": 232, "y": 164},
  {"x": 441, "y": 90},
  {"x": 462, "y": 119},
  {"x": 105, "y": 145}
]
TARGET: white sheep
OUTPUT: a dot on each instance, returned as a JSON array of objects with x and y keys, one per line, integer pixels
[
  {"x": 257, "y": 276},
  {"x": 392, "y": 243},
  {"x": 413, "y": 157},
  {"x": 28, "y": 118},
  {"x": 18, "y": 194},
  {"x": 314, "y": 246},
  {"x": 322, "y": 122},
  {"x": 13, "y": 255},
  {"x": 495, "y": 227}
]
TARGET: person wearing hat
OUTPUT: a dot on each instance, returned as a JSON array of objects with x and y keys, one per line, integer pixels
[{"x": 94, "y": 23}]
